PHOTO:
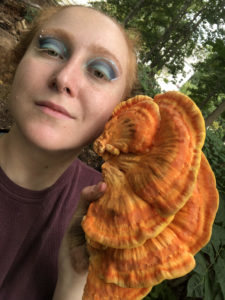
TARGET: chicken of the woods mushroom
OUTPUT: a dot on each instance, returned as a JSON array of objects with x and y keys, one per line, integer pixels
[{"x": 161, "y": 197}]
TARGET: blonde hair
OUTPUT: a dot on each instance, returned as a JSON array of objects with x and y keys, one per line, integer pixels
[{"x": 50, "y": 11}]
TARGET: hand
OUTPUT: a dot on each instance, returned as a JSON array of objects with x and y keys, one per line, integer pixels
[
  {"x": 75, "y": 234},
  {"x": 73, "y": 257}
]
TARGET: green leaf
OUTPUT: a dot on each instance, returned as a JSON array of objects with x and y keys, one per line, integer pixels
[
  {"x": 219, "y": 297},
  {"x": 195, "y": 287},
  {"x": 201, "y": 264},
  {"x": 218, "y": 237},
  {"x": 221, "y": 211},
  {"x": 162, "y": 291},
  {"x": 208, "y": 288},
  {"x": 220, "y": 273},
  {"x": 209, "y": 250}
]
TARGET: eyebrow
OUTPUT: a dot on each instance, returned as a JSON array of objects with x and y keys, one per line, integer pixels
[{"x": 97, "y": 49}]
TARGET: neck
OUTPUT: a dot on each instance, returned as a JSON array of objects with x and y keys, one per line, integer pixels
[{"x": 31, "y": 167}]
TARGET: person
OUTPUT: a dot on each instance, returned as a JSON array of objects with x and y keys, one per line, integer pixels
[{"x": 75, "y": 65}]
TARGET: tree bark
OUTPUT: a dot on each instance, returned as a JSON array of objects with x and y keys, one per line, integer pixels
[
  {"x": 211, "y": 95},
  {"x": 215, "y": 114}
]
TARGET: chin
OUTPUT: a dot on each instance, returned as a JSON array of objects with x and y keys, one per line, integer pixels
[
  {"x": 58, "y": 137},
  {"x": 47, "y": 139},
  {"x": 57, "y": 141}
]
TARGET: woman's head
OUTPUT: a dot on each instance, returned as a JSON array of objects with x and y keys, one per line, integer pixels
[
  {"x": 72, "y": 75},
  {"x": 48, "y": 12}
]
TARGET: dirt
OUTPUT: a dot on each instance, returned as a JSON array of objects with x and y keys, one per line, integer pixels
[{"x": 12, "y": 23}]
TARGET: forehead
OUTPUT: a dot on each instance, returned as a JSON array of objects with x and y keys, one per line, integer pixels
[{"x": 90, "y": 27}]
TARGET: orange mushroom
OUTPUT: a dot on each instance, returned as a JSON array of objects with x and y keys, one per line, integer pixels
[
  {"x": 161, "y": 197},
  {"x": 121, "y": 219},
  {"x": 170, "y": 254},
  {"x": 128, "y": 130},
  {"x": 96, "y": 289},
  {"x": 161, "y": 170},
  {"x": 193, "y": 223},
  {"x": 163, "y": 257},
  {"x": 166, "y": 176}
]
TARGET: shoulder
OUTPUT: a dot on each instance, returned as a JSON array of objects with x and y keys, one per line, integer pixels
[
  {"x": 83, "y": 167},
  {"x": 79, "y": 176},
  {"x": 85, "y": 173}
]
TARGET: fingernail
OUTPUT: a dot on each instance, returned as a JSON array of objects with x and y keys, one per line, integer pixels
[{"x": 101, "y": 186}]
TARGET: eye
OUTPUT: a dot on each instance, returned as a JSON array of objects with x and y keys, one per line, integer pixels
[
  {"x": 53, "y": 47},
  {"x": 102, "y": 69}
]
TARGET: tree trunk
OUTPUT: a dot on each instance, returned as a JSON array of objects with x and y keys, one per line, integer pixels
[{"x": 215, "y": 114}]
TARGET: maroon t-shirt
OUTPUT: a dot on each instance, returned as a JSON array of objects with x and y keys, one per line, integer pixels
[{"x": 32, "y": 224}]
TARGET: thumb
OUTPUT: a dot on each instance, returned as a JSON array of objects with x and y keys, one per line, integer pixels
[{"x": 90, "y": 194}]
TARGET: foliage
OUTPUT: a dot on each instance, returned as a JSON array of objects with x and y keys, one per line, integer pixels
[
  {"x": 162, "y": 291},
  {"x": 208, "y": 278},
  {"x": 170, "y": 29},
  {"x": 31, "y": 12},
  {"x": 206, "y": 86},
  {"x": 147, "y": 85},
  {"x": 214, "y": 150}
]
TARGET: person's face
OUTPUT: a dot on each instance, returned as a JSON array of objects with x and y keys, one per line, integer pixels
[{"x": 70, "y": 79}]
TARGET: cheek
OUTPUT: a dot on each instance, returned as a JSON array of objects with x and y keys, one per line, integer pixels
[
  {"x": 24, "y": 85},
  {"x": 23, "y": 70},
  {"x": 20, "y": 84},
  {"x": 105, "y": 99},
  {"x": 29, "y": 75},
  {"x": 103, "y": 105},
  {"x": 101, "y": 114}
]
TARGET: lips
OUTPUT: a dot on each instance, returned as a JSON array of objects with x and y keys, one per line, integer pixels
[{"x": 54, "y": 108}]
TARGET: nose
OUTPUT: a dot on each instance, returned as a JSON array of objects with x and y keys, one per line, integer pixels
[{"x": 67, "y": 79}]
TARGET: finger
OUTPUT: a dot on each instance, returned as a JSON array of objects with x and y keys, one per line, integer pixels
[
  {"x": 79, "y": 259},
  {"x": 88, "y": 195},
  {"x": 92, "y": 193},
  {"x": 76, "y": 234}
]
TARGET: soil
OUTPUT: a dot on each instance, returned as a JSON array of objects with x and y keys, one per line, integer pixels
[
  {"x": 13, "y": 21},
  {"x": 11, "y": 25}
]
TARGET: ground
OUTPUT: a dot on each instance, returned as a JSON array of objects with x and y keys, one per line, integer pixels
[{"x": 11, "y": 25}]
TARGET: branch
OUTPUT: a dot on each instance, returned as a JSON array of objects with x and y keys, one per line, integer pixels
[
  {"x": 215, "y": 114},
  {"x": 172, "y": 26},
  {"x": 27, "y": 2},
  {"x": 175, "y": 45},
  {"x": 211, "y": 95},
  {"x": 133, "y": 12}
]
